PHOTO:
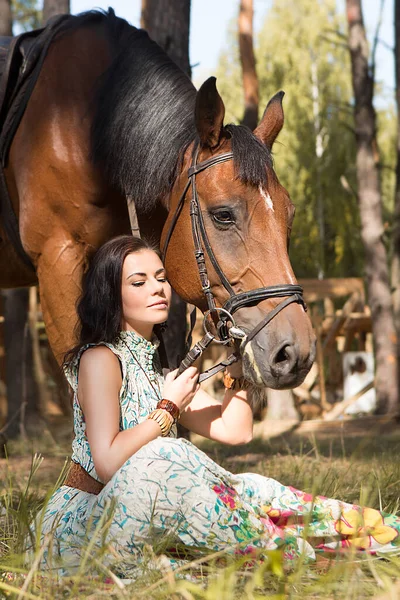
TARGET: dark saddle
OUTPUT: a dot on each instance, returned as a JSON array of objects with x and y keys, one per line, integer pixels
[{"x": 21, "y": 60}]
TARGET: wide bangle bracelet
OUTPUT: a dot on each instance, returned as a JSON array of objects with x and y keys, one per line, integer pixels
[
  {"x": 234, "y": 383},
  {"x": 163, "y": 418},
  {"x": 170, "y": 407}
]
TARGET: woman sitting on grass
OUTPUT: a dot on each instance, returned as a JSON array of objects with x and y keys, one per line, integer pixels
[{"x": 162, "y": 489}]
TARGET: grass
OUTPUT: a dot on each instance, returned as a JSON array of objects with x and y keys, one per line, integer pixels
[{"x": 363, "y": 470}]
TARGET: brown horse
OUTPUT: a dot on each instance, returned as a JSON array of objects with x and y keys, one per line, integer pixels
[{"x": 111, "y": 117}]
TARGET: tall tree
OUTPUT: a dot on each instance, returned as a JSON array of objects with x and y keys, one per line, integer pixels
[
  {"x": 23, "y": 413},
  {"x": 54, "y": 7},
  {"x": 370, "y": 203},
  {"x": 396, "y": 220},
  {"x": 168, "y": 24},
  {"x": 316, "y": 148},
  {"x": 248, "y": 63},
  {"x": 5, "y": 17}
]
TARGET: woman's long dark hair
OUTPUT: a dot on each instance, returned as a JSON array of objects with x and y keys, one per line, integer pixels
[{"x": 99, "y": 308}]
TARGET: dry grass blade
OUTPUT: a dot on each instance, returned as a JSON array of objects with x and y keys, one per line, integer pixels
[{"x": 34, "y": 567}]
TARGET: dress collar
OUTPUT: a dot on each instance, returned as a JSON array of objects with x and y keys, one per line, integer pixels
[{"x": 138, "y": 343}]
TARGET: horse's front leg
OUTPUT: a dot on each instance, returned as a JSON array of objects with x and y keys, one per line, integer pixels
[{"x": 60, "y": 267}]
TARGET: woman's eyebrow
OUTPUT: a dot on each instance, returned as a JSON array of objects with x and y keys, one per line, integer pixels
[
  {"x": 141, "y": 275},
  {"x": 145, "y": 274}
]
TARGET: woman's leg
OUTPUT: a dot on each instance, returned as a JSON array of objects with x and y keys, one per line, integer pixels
[
  {"x": 170, "y": 493},
  {"x": 328, "y": 524}
]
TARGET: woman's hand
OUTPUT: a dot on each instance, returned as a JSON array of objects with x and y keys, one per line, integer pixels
[{"x": 181, "y": 390}]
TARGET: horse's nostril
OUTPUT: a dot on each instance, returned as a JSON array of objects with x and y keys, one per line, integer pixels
[
  {"x": 281, "y": 356},
  {"x": 285, "y": 360}
]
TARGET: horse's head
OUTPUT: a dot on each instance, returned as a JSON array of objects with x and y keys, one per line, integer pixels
[{"x": 247, "y": 217}]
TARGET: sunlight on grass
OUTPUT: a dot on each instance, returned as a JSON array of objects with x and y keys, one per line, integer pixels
[{"x": 363, "y": 470}]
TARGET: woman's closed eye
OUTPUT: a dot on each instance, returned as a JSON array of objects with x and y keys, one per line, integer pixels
[{"x": 140, "y": 283}]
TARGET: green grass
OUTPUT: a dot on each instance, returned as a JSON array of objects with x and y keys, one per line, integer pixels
[{"x": 364, "y": 470}]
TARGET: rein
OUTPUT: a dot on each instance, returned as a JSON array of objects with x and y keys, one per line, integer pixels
[{"x": 222, "y": 316}]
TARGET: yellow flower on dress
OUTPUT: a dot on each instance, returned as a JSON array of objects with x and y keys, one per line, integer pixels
[
  {"x": 271, "y": 512},
  {"x": 363, "y": 525}
]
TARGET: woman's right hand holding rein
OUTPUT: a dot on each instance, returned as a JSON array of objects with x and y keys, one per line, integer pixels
[{"x": 180, "y": 389}]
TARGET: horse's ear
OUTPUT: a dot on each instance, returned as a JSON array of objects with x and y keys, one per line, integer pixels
[
  {"x": 272, "y": 121},
  {"x": 209, "y": 114}
]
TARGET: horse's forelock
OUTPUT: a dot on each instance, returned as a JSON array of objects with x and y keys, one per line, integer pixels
[{"x": 251, "y": 157}]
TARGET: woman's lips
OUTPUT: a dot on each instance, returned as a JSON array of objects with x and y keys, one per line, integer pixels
[{"x": 160, "y": 305}]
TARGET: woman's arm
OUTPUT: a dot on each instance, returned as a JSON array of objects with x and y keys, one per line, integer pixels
[
  {"x": 98, "y": 394},
  {"x": 230, "y": 422}
]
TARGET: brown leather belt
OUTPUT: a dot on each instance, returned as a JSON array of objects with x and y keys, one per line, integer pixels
[{"x": 80, "y": 479}]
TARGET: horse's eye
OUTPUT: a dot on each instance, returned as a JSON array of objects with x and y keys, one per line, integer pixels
[{"x": 223, "y": 217}]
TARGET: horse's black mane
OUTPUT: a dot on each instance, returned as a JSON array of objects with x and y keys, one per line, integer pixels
[{"x": 144, "y": 118}]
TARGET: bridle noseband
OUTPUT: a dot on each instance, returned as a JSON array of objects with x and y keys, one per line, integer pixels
[{"x": 222, "y": 316}]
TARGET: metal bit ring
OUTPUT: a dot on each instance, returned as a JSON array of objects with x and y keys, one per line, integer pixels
[{"x": 229, "y": 318}]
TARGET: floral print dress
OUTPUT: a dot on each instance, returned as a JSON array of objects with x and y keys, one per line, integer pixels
[{"x": 171, "y": 493}]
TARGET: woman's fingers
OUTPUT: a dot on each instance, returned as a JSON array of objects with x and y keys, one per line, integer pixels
[
  {"x": 192, "y": 372},
  {"x": 171, "y": 375}
]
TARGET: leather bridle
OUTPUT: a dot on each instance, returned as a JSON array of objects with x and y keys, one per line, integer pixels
[{"x": 223, "y": 316}]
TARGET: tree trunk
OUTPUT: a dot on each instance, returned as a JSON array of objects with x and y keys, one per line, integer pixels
[
  {"x": 319, "y": 152},
  {"x": 396, "y": 223},
  {"x": 369, "y": 197},
  {"x": 281, "y": 405},
  {"x": 168, "y": 24},
  {"x": 54, "y": 7},
  {"x": 22, "y": 394},
  {"x": 248, "y": 62},
  {"x": 5, "y": 17}
]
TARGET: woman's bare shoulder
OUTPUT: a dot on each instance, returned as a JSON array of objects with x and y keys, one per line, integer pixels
[{"x": 98, "y": 358}]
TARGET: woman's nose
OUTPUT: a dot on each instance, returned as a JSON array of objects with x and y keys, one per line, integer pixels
[{"x": 157, "y": 286}]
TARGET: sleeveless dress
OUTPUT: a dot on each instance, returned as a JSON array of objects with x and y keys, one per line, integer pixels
[{"x": 170, "y": 495}]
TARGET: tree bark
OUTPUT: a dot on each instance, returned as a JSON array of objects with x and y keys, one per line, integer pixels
[
  {"x": 281, "y": 405},
  {"x": 370, "y": 203},
  {"x": 168, "y": 24},
  {"x": 5, "y": 17},
  {"x": 396, "y": 221},
  {"x": 54, "y": 7},
  {"x": 22, "y": 394},
  {"x": 248, "y": 63}
]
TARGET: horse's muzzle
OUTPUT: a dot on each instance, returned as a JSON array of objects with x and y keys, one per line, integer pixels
[{"x": 282, "y": 366}]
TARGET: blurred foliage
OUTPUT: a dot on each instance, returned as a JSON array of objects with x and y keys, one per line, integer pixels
[
  {"x": 26, "y": 15},
  {"x": 294, "y": 39}
]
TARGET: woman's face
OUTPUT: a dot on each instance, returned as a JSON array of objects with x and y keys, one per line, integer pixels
[{"x": 145, "y": 292}]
